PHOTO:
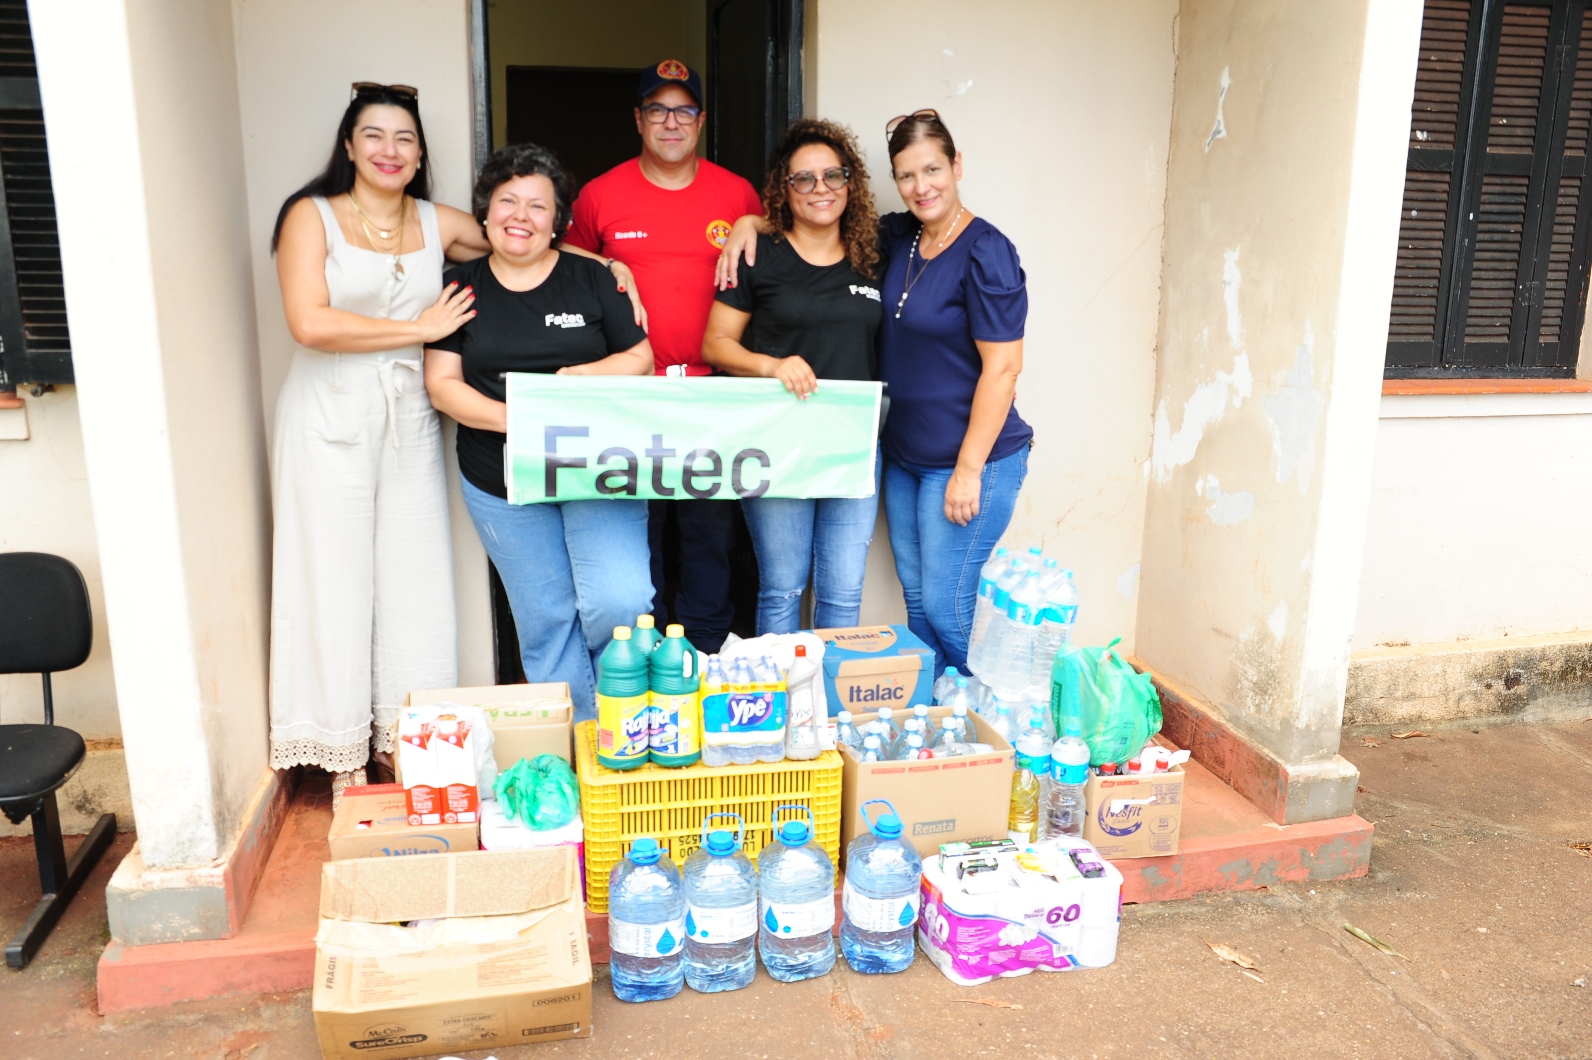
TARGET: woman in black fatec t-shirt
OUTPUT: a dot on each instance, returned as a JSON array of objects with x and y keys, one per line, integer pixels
[
  {"x": 573, "y": 570},
  {"x": 807, "y": 311}
]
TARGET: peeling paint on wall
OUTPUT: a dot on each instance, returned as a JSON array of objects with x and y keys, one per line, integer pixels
[
  {"x": 1128, "y": 583},
  {"x": 1231, "y": 278},
  {"x": 1294, "y": 413},
  {"x": 1226, "y": 508},
  {"x": 1219, "y": 130},
  {"x": 1278, "y": 622}
]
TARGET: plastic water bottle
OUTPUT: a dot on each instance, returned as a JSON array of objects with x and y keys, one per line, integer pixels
[
  {"x": 796, "y": 882},
  {"x": 1012, "y": 669},
  {"x": 872, "y": 749},
  {"x": 721, "y": 912},
  {"x": 1065, "y": 810},
  {"x": 964, "y": 728},
  {"x": 1054, "y": 632},
  {"x": 913, "y": 727},
  {"x": 1035, "y": 558},
  {"x": 801, "y": 709},
  {"x": 1038, "y": 710},
  {"x": 1033, "y": 762},
  {"x": 1003, "y": 723},
  {"x": 961, "y": 695},
  {"x": 910, "y": 748},
  {"x": 984, "y": 641},
  {"x": 888, "y": 731},
  {"x": 881, "y": 897},
  {"x": 946, "y": 682},
  {"x": 846, "y": 733},
  {"x": 984, "y": 605},
  {"x": 646, "y": 924},
  {"x": 947, "y": 743},
  {"x": 921, "y": 712}
]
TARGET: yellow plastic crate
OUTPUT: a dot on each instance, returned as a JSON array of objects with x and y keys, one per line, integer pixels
[{"x": 621, "y": 806}]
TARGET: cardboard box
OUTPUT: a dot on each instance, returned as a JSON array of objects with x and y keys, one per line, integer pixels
[
  {"x": 868, "y": 667},
  {"x": 373, "y": 822},
  {"x": 526, "y": 720},
  {"x": 1148, "y": 817},
  {"x": 939, "y": 799},
  {"x": 490, "y": 982}
]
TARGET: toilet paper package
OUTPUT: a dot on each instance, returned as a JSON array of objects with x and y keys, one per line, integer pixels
[{"x": 1018, "y": 910}]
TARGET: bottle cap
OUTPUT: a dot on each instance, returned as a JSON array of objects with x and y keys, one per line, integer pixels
[
  {"x": 720, "y": 843},
  {"x": 844, "y": 716},
  {"x": 621, "y": 632},
  {"x": 801, "y": 651},
  {"x": 950, "y": 671},
  {"x": 645, "y": 622},
  {"x": 1109, "y": 769},
  {"x": 871, "y": 741},
  {"x": 947, "y": 723},
  {"x": 645, "y": 851},
  {"x": 959, "y": 711},
  {"x": 886, "y": 714},
  {"x": 914, "y": 740},
  {"x": 793, "y": 833},
  {"x": 961, "y": 682},
  {"x": 887, "y": 827},
  {"x": 674, "y": 629}
]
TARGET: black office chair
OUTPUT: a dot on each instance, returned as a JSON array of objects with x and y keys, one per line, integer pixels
[{"x": 45, "y": 625}]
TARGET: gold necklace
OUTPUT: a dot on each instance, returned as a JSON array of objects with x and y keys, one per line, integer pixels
[{"x": 396, "y": 235}]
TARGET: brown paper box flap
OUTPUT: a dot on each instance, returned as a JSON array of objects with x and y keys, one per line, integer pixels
[{"x": 426, "y": 886}]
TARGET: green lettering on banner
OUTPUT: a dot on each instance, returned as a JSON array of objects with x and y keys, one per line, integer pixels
[{"x": 574, "y": 438}]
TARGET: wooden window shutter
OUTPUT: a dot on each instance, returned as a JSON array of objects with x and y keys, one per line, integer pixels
[
  {"x": 35, "y": 344},
  {"x": 1492, "y": 264}
]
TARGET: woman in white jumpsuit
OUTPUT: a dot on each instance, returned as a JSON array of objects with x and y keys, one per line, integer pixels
[{"x": 362, "y": 604}]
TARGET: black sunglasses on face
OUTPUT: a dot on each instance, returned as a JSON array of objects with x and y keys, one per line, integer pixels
[
  {"x": 834, "y": 179},
  {"x": 657, "y": 113}
]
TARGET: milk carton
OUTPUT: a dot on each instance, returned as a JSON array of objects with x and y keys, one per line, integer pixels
[{"x": 439, "y": 751}]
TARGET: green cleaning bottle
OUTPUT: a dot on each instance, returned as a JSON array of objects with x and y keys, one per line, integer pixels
[
  {"x": 675, "y": 683},
  {"x": 622, "y": 710},
  {"x": 647, "y": 635}
]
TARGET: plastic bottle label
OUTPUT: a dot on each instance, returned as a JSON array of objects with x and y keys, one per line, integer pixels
[
  {"x": 1069, "y": 774},
  {"x": 720, "y": 923},
  {"x": 800, "y": 719},
  {"x": 622, "y": 726},
  {"x": 672, "y": 724},
  {"x": 799, "y": 920},
  {"x": 646, "y": 940},
  {"x": 879, "y": 914}
]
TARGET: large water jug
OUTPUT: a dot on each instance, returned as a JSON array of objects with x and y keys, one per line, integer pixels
[
  {"x": 881, "y": 897},
  {"x": 646, "y": 924},
  {"x": 796, "y": 882},
  {"x": 1011, "y": 668},
  {"x": 721, "y": 911},
  {"x": 1054, "y": 632},
  {"x": 624, "y": 715}
]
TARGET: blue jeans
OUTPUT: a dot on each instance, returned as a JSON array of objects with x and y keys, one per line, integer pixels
[
  {"x": 827, "y": 538},
  {"x": 573, "y": 571},
  {"x": 937, "y": 561}
]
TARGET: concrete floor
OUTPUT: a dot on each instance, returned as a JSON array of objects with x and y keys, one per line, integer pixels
[{"x": 1471, "y": 877}]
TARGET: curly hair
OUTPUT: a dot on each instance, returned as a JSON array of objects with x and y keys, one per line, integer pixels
[
  {"x": 525, "y": 160},
  {"x": 859, "y": 223}
]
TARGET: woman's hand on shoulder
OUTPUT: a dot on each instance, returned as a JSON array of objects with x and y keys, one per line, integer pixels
[
  {"x": 450, "y": 312},
  {"x": 627, "y": 285},
  {"x": 742, "y": 241},
  {"x": 462, "y": 238}
]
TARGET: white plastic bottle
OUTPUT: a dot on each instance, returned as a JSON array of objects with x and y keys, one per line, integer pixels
[
  {"x": 801, "y": 708},
  {"x": 888, "y": 732},
  {"x": 1054, "y": 632},
  {"x": 946, "y": 682},
  {"x": 1065, "y": 807},
  {"x": 846, "y": 733},
  {"x": 947, "y": 744},
  {"x": 872, "y": 750}
]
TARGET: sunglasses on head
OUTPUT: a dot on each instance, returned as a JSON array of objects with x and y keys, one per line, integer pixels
[
  {"x": 369, "y": 88},
  {"x": 918, "y": 115}
]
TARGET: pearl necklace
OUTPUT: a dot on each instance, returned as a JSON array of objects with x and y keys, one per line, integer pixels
[{"x": 910, "y": 282}]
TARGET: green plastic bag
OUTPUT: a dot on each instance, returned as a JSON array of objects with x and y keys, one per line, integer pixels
[
  {"x": 1116, "y": 707},
  {"x": 541, "y": 792}
]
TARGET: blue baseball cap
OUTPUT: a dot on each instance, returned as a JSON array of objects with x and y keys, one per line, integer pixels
[{"x": 669, "y": 72}]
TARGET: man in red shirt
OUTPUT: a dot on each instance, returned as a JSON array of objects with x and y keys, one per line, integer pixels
[{"x": 665, "y": 214}]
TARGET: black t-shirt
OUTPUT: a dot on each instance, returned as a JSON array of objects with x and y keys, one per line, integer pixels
[
  {"x": 827, "y": 314},
  {"x": 575, "y": 316}
]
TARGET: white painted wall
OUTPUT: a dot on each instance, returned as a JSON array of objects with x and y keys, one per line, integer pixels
[
  {"x": 296, "y": 61},
  {"x": 1479, "y": 519},
  {"x": 44, "y": 483},
  {"x": 1062, "y": 110}
]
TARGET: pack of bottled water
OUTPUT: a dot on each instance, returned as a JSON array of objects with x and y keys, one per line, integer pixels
[{"x": 1026, "y": 609}]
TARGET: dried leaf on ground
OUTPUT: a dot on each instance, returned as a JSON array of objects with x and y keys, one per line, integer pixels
[
  {"x": 1369, "y": 742},
  {"x": 1372, "y": 941},
  {"x": 1252, "y": 975},
  {"x": 1409, "y": 735},
  {"x": 991, "y": 1002},
  {"x": 1584, "y": 848},
  {"x": 1227, "y": 953}
]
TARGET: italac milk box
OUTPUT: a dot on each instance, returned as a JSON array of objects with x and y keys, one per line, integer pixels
[
  {"x": 868, "y": 667},
  {"x": 437, "y": 752}
]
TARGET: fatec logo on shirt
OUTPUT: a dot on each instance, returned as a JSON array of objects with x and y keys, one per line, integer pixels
[
  {"x": 866, "y": 292},
  {"x": 565, "y": 320},
  {"x": 718, "y": 233}
]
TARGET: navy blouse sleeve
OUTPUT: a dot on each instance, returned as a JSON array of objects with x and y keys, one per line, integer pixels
[{"x": 996, "y": 289}]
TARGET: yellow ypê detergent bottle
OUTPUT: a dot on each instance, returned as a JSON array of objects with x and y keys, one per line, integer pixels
[
  {"x": 676, "y": 728},
  {"x": 623, "y": 711}
]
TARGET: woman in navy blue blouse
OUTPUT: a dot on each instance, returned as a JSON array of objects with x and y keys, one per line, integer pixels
[{"x": 950, "y": 350}]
